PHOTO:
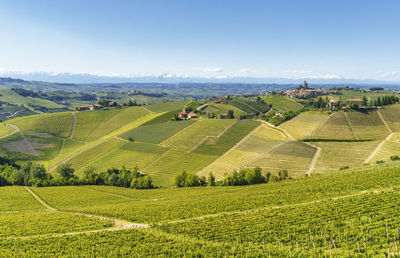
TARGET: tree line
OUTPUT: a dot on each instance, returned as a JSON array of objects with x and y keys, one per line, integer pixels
[
  {"x": 31, "y": 174},
  {"x": 245, "y": 176}
]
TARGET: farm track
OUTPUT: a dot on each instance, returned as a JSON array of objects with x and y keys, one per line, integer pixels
[
  {"x": 16, "y": 112},
  {"x": 73, "y": 125},
  {"x": 117, "y": 223},
  {"x": 11, "y": 133},
  {"x": 22, "y": 134},
  {"x": 145, "y": 108},
  {"x": 314, "y": 159},
  {"x": 350, "y": 125},
  {"x": 279, "y": 206},
  {"x": 382, "y": 142}
]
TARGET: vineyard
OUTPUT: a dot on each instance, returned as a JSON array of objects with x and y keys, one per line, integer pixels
[{"x": 352, "y": 213}]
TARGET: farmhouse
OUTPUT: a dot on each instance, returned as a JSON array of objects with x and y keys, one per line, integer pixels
[
  {"x": 356, "y": 101},
  {"x": 223, "y": 116},
  {"x": 333, "y": 103},
  {"x": 192, "y": 115},
  {"x": 88, "y": 107},
  {"x": 221, "y": 101},
  {"x": 183, "y": 115}
]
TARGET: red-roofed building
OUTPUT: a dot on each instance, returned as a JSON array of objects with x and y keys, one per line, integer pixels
[
  {"x": 357, "y": 101},
  {"x": 192, "y": 115},
  {"x": 182, "y": 115}
]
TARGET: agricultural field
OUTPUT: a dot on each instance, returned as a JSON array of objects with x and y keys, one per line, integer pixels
[
  {"x": 219, "y": 109},
  {"x": 193, "y": 135},
  {"x": 256, "y": 146},
  {"x": 250, "y": 106},
  {"x": 390, "y": 148},
  {"x": 33, "y": 223},
  {"x": 130, "y": 155},
  {"x": 282, "y": 103},
  {"x": 218, "y": 146},
  {"x": 315, "y": 215},
  {"x": 174, "y": 161},
  {"x": 81, "y": 160},
  {"x": 391, "y": 114},
  {"x": 156, "y": 133},
  {"x": 304, "y": 124},
  {"x": 335, "y": 155},
  {"x": 16, "y": 198},
  {"x": 5, "y": 130}
]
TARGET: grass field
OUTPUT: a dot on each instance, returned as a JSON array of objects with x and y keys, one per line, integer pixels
[
  {"x": 283, "y": 103},
  {"x": 30, "y": 125}
]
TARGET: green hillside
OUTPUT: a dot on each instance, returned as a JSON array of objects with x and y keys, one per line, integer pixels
[
  {"x": 149, "y": 138},
  {"x": 312, "y": 216}
]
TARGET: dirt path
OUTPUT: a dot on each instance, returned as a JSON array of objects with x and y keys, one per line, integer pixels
[
  {"x": 384, "y": 122},
  {"x": 279, "y": 206},
  {"x": 378, "y": 148},
  {"x": 350, "y": 125},
  {"x": 286, "y": 133},
  {"x": 16, "y": 112},
  {"x": 382, "y": 142},
  {"x": 73, "y": 125},
  {"x": 117, "y": 223},
  {"x": 314, "y": 159},
  {"x": 11, "y": 133},
  {"x": 145, "y": 108}
]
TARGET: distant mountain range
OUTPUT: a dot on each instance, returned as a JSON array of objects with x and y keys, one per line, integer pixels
[{"x": 169, "y": 78}]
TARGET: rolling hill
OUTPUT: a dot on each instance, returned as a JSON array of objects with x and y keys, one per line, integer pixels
[{"x": 147, "y": 137}]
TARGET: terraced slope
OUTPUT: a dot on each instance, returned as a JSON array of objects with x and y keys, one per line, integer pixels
[{"x": 303, "y": 125}]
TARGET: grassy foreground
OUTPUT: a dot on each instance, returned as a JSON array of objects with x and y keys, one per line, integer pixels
[{"x": 347, "y": 213}]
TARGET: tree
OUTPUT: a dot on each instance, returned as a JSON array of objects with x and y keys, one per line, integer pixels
[
  {"x": 211, "y": 180},
  {"x": 66, "y": 171},
  {"x": 365, "y": 101},
  {"x": 37, "y": 171},
  {"x": 180, "y": 179},
  {"x": 378, "y": 101},
  {"x": 230, "y": 114},
  {"x": 255, "y": 176}
]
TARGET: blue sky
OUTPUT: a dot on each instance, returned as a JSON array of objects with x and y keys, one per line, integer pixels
[{"x": 292, "y": 39}]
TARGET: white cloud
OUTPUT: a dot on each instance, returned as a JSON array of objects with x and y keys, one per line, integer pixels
[
  {"x": 247, "y": 70},
  {"x": 298, "y": 71},
  {"x": 2, "y": 70},
  {"x": 214, "y": 70}
]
